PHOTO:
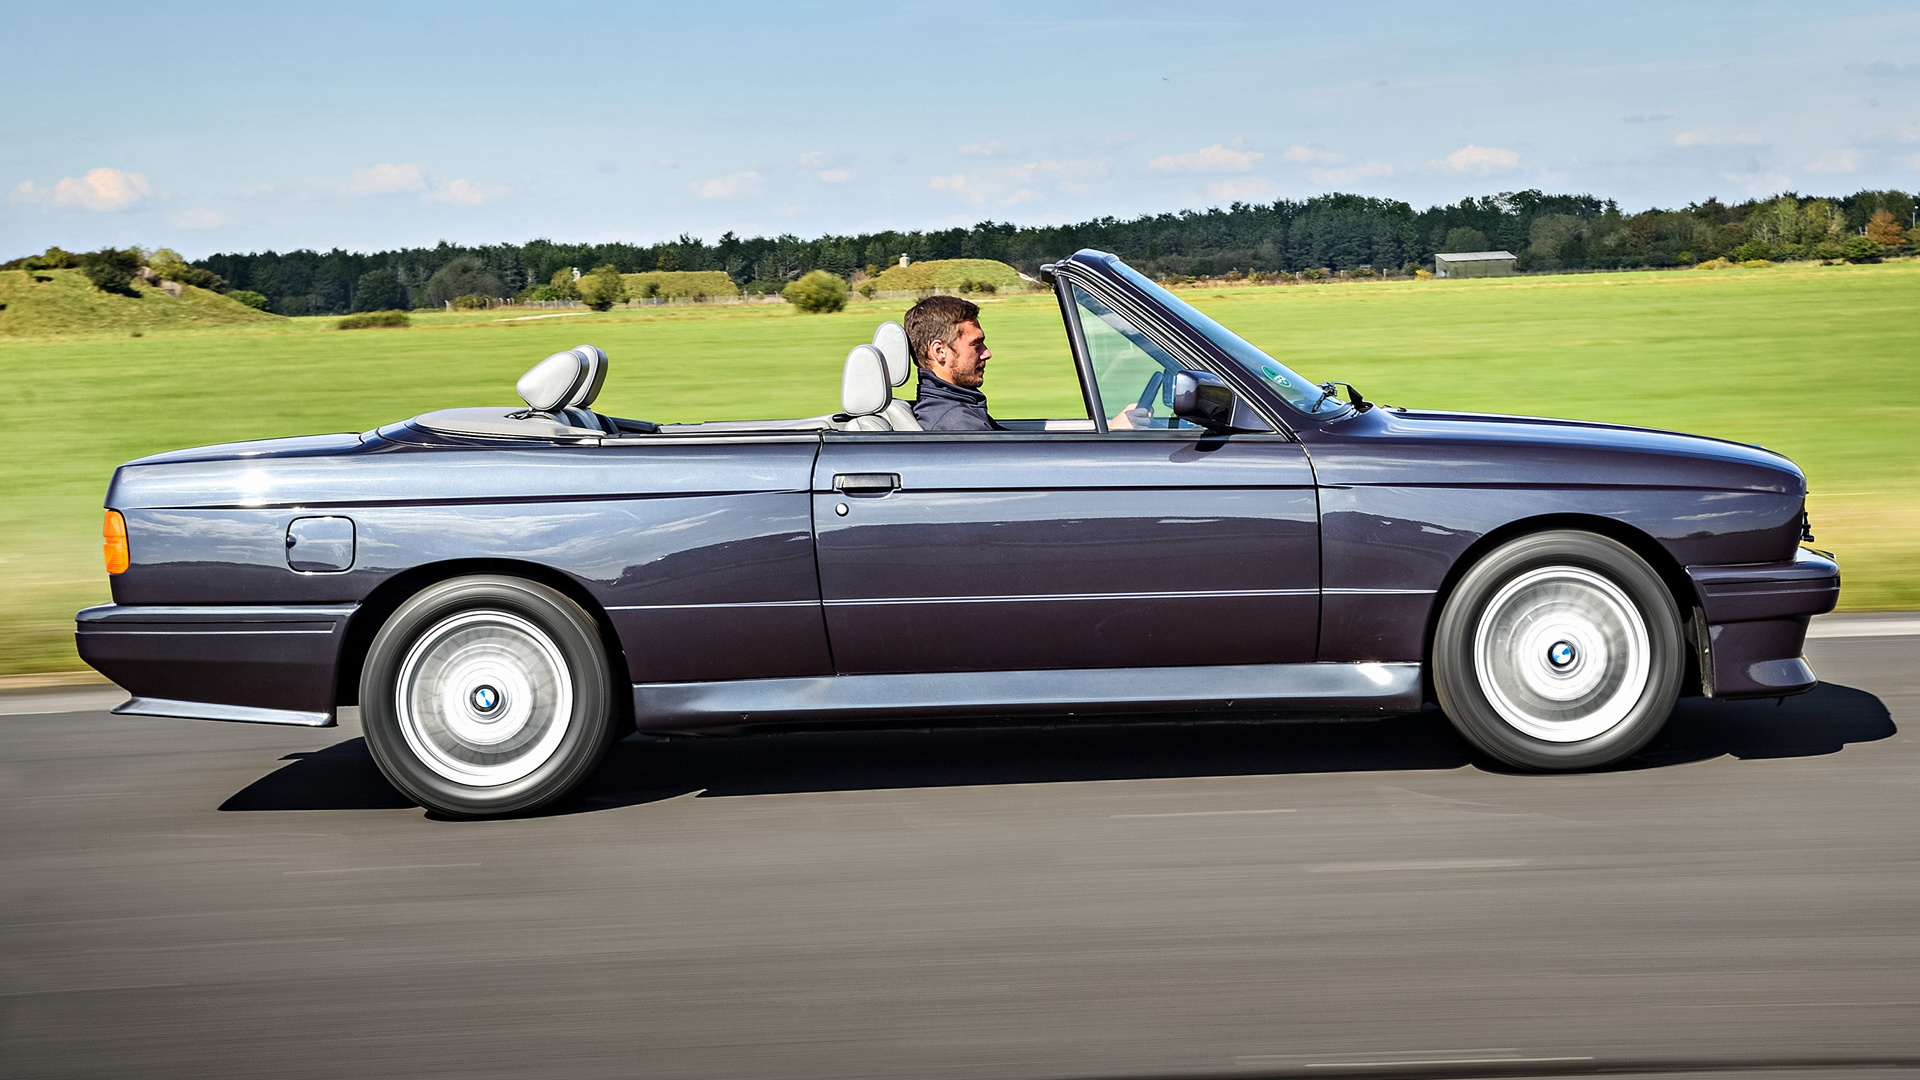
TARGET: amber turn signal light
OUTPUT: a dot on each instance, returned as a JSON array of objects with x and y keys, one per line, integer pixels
[{"x": 114, "y": 537}]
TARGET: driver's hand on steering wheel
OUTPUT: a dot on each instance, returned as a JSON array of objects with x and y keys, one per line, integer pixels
[{"x": 1131, "y": 418}]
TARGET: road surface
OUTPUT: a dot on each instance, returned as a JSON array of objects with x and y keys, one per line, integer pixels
[{"x": 187, "y": 899}]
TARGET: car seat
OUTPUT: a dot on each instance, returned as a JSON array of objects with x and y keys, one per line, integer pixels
[
  {"x": 891, "y": 340},
  {"x": 865, "y": 391}
]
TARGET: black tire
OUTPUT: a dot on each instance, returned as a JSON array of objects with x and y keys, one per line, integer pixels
[
  {"x": 1559, "y": 651},
  {"x": 487, "y": 695}
]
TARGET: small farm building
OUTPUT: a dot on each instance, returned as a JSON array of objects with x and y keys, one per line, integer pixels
[{"x": 1474, "y": 264}]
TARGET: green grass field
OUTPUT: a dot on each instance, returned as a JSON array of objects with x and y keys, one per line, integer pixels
[{"x": 1821, "y": 363}]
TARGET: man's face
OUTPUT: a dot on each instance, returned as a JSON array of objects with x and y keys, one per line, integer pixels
[{"x": 964, "y": 362}]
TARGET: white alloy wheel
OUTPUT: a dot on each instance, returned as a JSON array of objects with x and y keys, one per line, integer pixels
[
  {"x": 1559, "y": 650},
  {"x": 1562, "y": 654},
  {"x": 487, "y": 695},
  {"x": 483, "y": 698}
]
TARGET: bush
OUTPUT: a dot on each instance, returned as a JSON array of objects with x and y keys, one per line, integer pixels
[
  {"x": 112, "y": 270},
  {"x": 471, "y": 302},
  {"x": 866, "y": 289},
  {"x": 250, "y": 298},
  {"x": 817, "y": 292},
  {"x": 1859, "y": 249},
  {"x": 461, "y": 275},
  {"x": 1828, "y": 251},
  {"x": 54, "y": 259},
  {"x": 1752, "y": 251},
  {"x": 379, "y": 290},
  {"x": 602, "y": 288},
  {"x": 1714, "y": 264},
  {"x": 1755, "y": 264},
  {"x": 373, "y": 319},
  {"x": 551, "y": 292},
  {"x": 167, "y": 265}
]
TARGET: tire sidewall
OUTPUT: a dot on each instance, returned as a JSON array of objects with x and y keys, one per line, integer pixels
[
  {"x": 1456, "y": 677},
  {"x": 572, "y": 631}
]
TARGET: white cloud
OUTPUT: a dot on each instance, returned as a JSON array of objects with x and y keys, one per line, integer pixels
[
  {"x": 1307, "y": 154},
  {"x": 386, "y": 179},
  {"x": 835, "y": 176},
  {"x": 100, "y": 189},
  {"x": 1241, "y": 189},
  {"x": 982, "y": 149},
  {"x": 465, "y": 193},
  {"x": 731, "y": 186},
  {"x": 1350, "y": 173},
  {"x": 198, "y": 219},
  {"x": 1480, "y": 160},
  {"x": 667, "y": 163},
  {"x": 1910, "y": 133},
  {"x": 813, "y": 159},
  {"x": 1220, "y": 157},
  {"x": 1009, "y": 184},
  {"x": 1706, "y": 138},
  {"x": 1840, "y": 161}
]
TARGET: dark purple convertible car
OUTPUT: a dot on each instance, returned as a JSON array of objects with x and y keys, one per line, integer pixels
[{"x": 506, "y": 592}]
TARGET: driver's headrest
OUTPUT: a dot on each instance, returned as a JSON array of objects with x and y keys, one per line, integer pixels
[
  {"x": 565, "y": 380},
  {"x": 864, "y": 389},
  {"x": 891, "y": 340}
]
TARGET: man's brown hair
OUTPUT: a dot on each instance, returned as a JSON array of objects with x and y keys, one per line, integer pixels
[{"x": 937, "y": 318}]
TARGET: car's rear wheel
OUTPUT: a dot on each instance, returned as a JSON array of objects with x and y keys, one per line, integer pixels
[
  {"x": 487, "y": 695},
  {"x": 1560, "y": 650}
]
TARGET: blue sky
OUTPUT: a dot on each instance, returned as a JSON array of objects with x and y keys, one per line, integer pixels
[{"x": 365, "y": 126}]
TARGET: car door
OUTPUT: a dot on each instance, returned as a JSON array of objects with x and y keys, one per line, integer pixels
[{"x": 999, "y": 551}]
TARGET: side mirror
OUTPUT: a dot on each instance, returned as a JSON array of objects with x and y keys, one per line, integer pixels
[{"x": 1204, "y": 398}]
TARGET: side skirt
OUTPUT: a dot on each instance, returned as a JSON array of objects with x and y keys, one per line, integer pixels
[
  {"x": 212, "y": 710},
  {"x": 1356, "y": 691}
]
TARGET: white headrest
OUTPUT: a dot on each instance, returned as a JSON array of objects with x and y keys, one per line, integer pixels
[
  {"x": 864, "y": 389},
  {"x": 565, "y": 380},
  {"x": 891, "y": 340}
]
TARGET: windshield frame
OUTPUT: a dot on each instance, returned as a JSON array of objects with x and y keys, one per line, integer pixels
[{"x": 1192, "y": 324}]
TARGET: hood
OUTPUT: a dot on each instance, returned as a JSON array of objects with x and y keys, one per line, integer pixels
[{"x": 1391, "y": 445}]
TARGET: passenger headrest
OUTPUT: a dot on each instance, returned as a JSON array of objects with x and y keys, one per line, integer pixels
[
  {"x": 864, "y": 389},
  {"x": 891, "y": 340},
  {"x": 565, "y": 380}
]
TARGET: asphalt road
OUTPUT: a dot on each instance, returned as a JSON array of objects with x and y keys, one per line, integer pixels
[{"x": 193, "y": 899}]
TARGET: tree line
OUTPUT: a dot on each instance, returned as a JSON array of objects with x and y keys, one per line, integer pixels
[{"x": 1329, "y": 232}]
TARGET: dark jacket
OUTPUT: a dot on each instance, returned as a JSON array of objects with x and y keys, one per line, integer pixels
[{"x": 942, "y": 406}]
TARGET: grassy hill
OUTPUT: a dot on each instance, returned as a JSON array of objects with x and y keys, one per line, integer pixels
[
  {"x": 1816, "y": 362},
  {"x": 47, "y": 303},
  {"x": 949, "y": 274},
  {"x": 680, "y": 284}
]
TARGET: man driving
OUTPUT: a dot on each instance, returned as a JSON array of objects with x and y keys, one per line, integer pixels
[{"x": 950, "y": 351}]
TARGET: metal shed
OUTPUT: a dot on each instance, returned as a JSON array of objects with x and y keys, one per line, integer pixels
[{"x": 1474, "y": 264}]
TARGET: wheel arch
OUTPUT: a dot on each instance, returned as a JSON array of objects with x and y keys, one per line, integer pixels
[
  {"x": 1672, "y": 575},
  {"x": 386, "y": 598}
]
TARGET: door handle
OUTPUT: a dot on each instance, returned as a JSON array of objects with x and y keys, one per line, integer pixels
[{"x": 865, "y": 483}]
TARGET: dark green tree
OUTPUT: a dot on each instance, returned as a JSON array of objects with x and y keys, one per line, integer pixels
[{"x": 379, "y": 290}]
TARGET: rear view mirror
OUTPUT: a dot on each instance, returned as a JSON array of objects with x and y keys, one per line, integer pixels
[{"x": 1203, "y": 398}]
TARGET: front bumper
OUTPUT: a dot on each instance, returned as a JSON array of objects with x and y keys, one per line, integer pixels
[
  {"x": 1755, "y": 618},
  {"x": 260, "y": 665}
]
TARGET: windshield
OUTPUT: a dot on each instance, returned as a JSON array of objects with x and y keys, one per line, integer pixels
[{"x": 1291, "y": 386}]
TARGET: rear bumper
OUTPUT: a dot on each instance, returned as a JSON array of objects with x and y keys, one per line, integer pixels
[
  {"x": 261, "y": 665},
  {"x": 1756, "y": 616}
]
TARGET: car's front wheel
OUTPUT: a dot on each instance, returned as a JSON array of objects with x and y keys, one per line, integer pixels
[
  {"x": 1560, "y": 650},
  {"x": 487, "y": 695}
]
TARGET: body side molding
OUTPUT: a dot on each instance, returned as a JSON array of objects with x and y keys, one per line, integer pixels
[{"x": 1358, "y": 690}]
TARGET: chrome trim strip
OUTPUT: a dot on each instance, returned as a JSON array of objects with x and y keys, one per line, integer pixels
[
  {"x": 1042, "y": 597},
  {"x": 208, "y": 710},
  {"x": 715, "y": 607}
]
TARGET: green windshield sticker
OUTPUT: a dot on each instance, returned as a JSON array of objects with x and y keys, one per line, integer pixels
[{"x": 1274, "y": 375}]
